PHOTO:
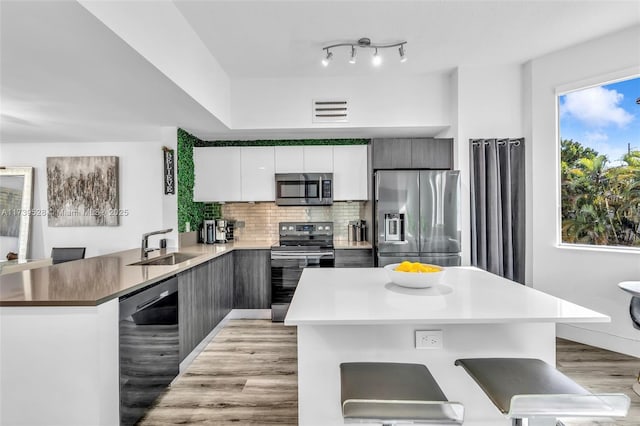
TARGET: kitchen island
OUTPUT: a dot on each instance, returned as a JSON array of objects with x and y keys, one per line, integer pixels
[{"x": 357, "y": 315}]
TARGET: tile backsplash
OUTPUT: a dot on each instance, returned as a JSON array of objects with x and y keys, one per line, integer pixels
[{"x": 261, "y": 219}]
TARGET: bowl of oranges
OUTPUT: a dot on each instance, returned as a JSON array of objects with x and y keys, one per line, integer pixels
[{"x": 414, "y": 274}]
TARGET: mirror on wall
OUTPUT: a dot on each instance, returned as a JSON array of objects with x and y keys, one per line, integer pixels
[{"x": 16, "y": 187}]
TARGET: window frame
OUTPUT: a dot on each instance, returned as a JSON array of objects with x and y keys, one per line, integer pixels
[{"x": 561, "y": 90}]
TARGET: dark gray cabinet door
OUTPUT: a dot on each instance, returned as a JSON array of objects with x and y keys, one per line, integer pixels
[
  {"x": 223, "y": 271},
  {"x": 392, "y": 153},
  {"x": 252, "y": 284},
  {"x": 430, "y": 153},
  {"x": 354, "y": 258},
  {"x": 195, "y": 306}
]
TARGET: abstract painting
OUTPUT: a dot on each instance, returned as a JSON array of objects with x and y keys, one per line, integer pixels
[{"x": 82, "y": 191}]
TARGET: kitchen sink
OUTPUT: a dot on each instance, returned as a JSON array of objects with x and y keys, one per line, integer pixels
[{"x": 168, "y": 259}]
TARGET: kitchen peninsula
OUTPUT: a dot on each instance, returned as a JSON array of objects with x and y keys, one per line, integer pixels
[
  {"x": 59, "y": 328},
  {"x": 357, "y": 315}
]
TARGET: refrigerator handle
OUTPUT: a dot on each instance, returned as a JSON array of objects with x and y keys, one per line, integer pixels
[{"x": 375, "y": 176}]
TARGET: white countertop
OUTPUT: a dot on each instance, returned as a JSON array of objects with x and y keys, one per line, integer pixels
[{"x": 466, "y": 295}]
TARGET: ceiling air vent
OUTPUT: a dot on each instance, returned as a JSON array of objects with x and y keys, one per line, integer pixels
[{"x": 330, "y": 111}]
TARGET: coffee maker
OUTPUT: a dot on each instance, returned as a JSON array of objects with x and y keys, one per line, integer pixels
[
  {"x": 221, "y": 231},
  {"x": 207, "y": 232}
]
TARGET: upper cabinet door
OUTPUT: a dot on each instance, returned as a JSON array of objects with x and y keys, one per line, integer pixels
[
  {"x": 350, "y": 172},
  {"x": 429, "y": 153},
  {"x": 289, "y": 159},
  {"x": 258, "y": 167},
  {"x": 392, "y": 153},
  {"x": 217, "y": 174},
  {"x": 318, "y": 159}
]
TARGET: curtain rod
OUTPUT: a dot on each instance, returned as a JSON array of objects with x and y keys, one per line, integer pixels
[{"x": 515, "y": 142}]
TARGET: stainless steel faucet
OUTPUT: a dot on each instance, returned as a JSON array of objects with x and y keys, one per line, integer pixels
[{"x": 144, "y": 251}]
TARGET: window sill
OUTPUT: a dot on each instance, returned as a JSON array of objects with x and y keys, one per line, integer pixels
[{"x": 609, "y": 249}]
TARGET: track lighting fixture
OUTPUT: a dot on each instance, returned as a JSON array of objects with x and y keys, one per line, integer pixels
[
  {"x": 403, "y": 55},
  {"x": 327, "y": 59},
  {"x": 377, "y": 59},
  {"x": 365, "y": 43}
]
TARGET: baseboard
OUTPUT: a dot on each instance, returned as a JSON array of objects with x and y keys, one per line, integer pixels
[
  {"x": 599, "y": 339},
  {"x": 250, "y": 314}
]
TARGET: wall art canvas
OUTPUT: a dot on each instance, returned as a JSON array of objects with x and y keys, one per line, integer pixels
[{"x": 82, "y": 191}]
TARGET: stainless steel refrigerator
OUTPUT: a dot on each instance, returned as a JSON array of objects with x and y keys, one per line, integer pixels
[{"x": 417, "y": 216}]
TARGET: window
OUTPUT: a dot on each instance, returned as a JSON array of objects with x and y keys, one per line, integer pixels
[{"x": 600, "y": 164}]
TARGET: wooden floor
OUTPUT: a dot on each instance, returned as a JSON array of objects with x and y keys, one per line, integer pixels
[
  {"x": 247, "y": 376},
  {"x": 599, "y": 370}
]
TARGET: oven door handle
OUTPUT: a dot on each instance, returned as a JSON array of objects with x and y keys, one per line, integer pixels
[{"x": 299, "y": 255}]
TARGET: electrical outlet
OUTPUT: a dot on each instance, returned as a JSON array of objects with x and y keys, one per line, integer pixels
[{"x": 429, "y": 339}]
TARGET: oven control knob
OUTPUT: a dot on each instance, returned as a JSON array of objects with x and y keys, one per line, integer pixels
[
  {"x": 291, "y": 228},
  {"x": 284, "y": 228},
  {"x": 319, "y": 228}
]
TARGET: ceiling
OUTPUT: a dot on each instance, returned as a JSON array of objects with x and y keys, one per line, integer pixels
[
  {"x": 65, "y": 76},
  {"x": 274, "y": 39}
]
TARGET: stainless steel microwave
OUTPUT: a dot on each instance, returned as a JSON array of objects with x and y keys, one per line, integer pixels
[{"x": 304, "y": 189}]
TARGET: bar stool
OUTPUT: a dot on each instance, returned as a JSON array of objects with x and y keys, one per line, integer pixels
[
  {"x": 522, "y": 388},
  {"x": 394, "y": 393}
]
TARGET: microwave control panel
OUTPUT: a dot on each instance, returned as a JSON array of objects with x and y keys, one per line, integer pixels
[{"x": 326, "y": 189}]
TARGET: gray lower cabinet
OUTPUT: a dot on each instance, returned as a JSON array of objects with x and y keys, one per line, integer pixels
[
  {"x": 205, "y": 297},
  {"x": 413, "y": 153},
  {"x": 195, "y": 306},
  {"x": 252, "y": 284},
  {"x": 223, "y": 270},
  {"x": 354, "y": 258}
]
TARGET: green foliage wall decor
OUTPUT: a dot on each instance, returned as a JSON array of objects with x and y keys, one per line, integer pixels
[
  {"x": 275, "y": 142},
  {"x": 188, "y": 210}
]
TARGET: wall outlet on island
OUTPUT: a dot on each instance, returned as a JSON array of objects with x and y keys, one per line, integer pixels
[{"x": 429, "y": 339}]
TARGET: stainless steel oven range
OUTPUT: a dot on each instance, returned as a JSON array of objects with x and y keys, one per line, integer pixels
[{"x": 302, "y": 245}]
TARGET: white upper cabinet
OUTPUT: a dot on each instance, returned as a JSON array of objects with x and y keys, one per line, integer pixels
[
  {"x": 318, "y": 159},
  {"x": 289, "y": 159},
  {"x": 258, "y": 168},
  {"x": 217, "y": 174},
  {"x": 247, "y": 173},
  {"x": 350, "y": 173}
]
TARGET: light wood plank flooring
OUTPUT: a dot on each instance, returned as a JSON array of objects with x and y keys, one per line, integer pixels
[
  {"x": 599, "y": 370},
  {"x": 248, "y": 376}
]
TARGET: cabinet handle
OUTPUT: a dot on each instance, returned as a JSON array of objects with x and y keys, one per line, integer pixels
[{"x": 152, "y": 300}]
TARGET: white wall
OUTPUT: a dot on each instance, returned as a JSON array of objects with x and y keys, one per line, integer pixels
[
  {"x": 141, "y": 193},
  {"x": 421, "y": 100},
  {"x": 487, "y": 103},
  {"x": 586, "y": 277}
]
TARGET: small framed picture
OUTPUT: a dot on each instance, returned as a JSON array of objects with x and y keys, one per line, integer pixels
[{"x": 169, "y": 171}]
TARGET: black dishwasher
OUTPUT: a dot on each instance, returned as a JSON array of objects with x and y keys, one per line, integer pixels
[{"x": 149, "y": 347}]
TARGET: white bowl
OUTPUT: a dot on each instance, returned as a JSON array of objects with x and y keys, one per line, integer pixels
[{"x": 414, "y": 279}]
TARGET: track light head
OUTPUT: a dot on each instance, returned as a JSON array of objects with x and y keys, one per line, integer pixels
[
  {"x": 403, "y": 54},
  {"x": 327, "y": 59},
  {"x": 352, "y": 59},
  {"x": 377, "y": 59}
]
